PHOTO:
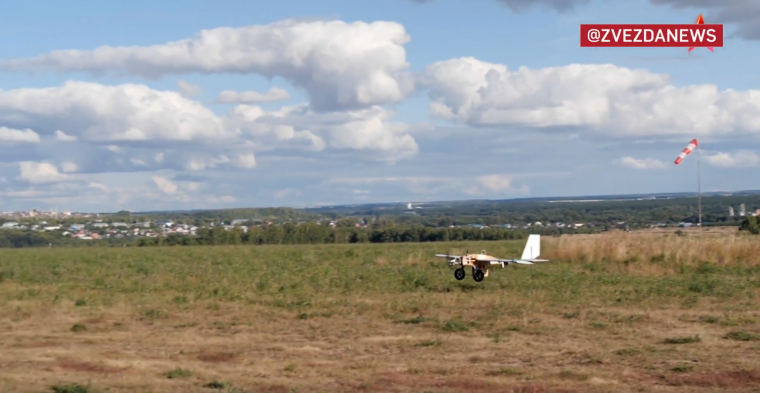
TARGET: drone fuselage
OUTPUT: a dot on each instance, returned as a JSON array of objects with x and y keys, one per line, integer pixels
[{"x": 481, "y": 263}]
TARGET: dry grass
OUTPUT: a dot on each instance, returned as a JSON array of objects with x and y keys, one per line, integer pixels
[
  {"x": 622, "y": 312},
  {"x": 657, "y": 251}
]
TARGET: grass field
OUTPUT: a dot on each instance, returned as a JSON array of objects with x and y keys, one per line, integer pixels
[{"x": 623, "y": 312}]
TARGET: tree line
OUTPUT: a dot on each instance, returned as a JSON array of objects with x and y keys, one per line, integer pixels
[
  {"x": 320, "y": 234},
  {"x": 309, "y": 233}
]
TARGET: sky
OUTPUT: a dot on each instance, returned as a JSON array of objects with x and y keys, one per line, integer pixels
[{"x": 169, "y": 105}]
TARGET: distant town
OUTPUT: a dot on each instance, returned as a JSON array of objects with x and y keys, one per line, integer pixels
[{"x": 93, "y": 226}]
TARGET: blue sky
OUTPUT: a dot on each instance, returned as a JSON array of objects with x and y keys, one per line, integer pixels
[{"x": 386, "y": 101}]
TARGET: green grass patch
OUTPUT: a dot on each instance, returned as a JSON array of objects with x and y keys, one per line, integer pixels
[
  {"x": 70, "y": 388},
  {"x": 178, "y": 373},
  {"x": 742, "y": 336},
  {"x": 683, "y": 340}
]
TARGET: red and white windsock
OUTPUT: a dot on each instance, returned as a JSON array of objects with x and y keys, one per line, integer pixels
[{"x": 689, "y": 148}]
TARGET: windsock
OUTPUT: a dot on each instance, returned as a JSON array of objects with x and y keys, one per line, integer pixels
[{"x": 686, "y": 151}]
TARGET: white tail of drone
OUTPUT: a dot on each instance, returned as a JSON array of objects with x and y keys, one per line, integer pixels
[{"x": 532, "y": 249}]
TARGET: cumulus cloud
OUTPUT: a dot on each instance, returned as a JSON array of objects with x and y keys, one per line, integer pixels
[
  {"x": 135, "y": 128},
  {"x": 341, "y": 65},
  {"x": 246, "y": 160},
  {"x": 369, "y": 130},
  {"x": 63, "y": 137},
  {"x": 165, "y": 185},
  {"x": 645, "y": 163},
  {"x": 69, "y": 167},
  {"x": 741, "y": 159},
  {"x": 10, "y": 135},
  {"x": 40, "y": 172},
  {"x": 496, "y": 183},
  {"x": 253, "y": 97},
  {"x": 609, "y": 100},
  {"x": 123, "y": 113}
]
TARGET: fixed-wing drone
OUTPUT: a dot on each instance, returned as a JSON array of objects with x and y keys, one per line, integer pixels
[{"x": 481, "y": 263}]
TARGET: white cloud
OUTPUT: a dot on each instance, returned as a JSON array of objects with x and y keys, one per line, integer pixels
[
  {"x": 125, "y": 113},
  {"x": 40, "y": 172},
  {"x": 341, "y": 65},
  {"x": 370, "y": 130},
  {"x": 496, "y": 182},
  {"x": 742, "y": 159},
  {"x": 607, "y": 100},
  {"x": 165, "y": 185},
  {"x": 500, "y": 184},
  {"x": 69, "y": 167},
  {"x": 246, "y": 160},
  {"x": 367, "y": 130},
  {"x": 187, "y": 89},
  {"x": 633, "y": 163},
  {"x": 198, "y": 163},
  {"x": 63, "y": 137},
  {"x": 133, "y": 121},
  {"x": 253, "y": 97},
  {"x": 222, "y": 199},
  {"x": 12, "y": 135},
  {"x": 99, "y": 187}
]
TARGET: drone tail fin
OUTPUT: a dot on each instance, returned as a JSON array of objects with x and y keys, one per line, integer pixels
[{"x": 532, "y": 248}]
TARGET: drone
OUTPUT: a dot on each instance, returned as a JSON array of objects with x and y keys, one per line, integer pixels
[{"x": 481, "y": 263}]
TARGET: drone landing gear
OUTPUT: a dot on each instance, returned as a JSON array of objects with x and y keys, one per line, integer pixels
[
  {"x": 478, "y": 275},
  {"x": 459, "y": 274}
]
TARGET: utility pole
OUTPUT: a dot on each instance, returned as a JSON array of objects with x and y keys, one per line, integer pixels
[{"x": 699, "y": 183}]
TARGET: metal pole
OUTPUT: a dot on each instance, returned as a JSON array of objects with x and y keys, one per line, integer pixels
[{"x": 699, "y": 183}]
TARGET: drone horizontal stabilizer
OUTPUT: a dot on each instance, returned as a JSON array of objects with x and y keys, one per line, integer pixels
[{"x": 522, "y": 262}]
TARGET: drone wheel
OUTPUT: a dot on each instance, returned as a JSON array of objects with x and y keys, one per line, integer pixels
[
  {"x": 478, "y": 275},
  {"x": 459, "y": 274}
]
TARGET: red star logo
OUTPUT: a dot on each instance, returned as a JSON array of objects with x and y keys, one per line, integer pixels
[{"x": 701, "y": 21}]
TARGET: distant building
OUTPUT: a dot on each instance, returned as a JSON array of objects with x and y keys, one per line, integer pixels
[
  {"x": 165, "y": 223},
  {"x": 9, "y": 225},
  {"x": 742, "y": 210},
  {"x": 730, "y": 211}
]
